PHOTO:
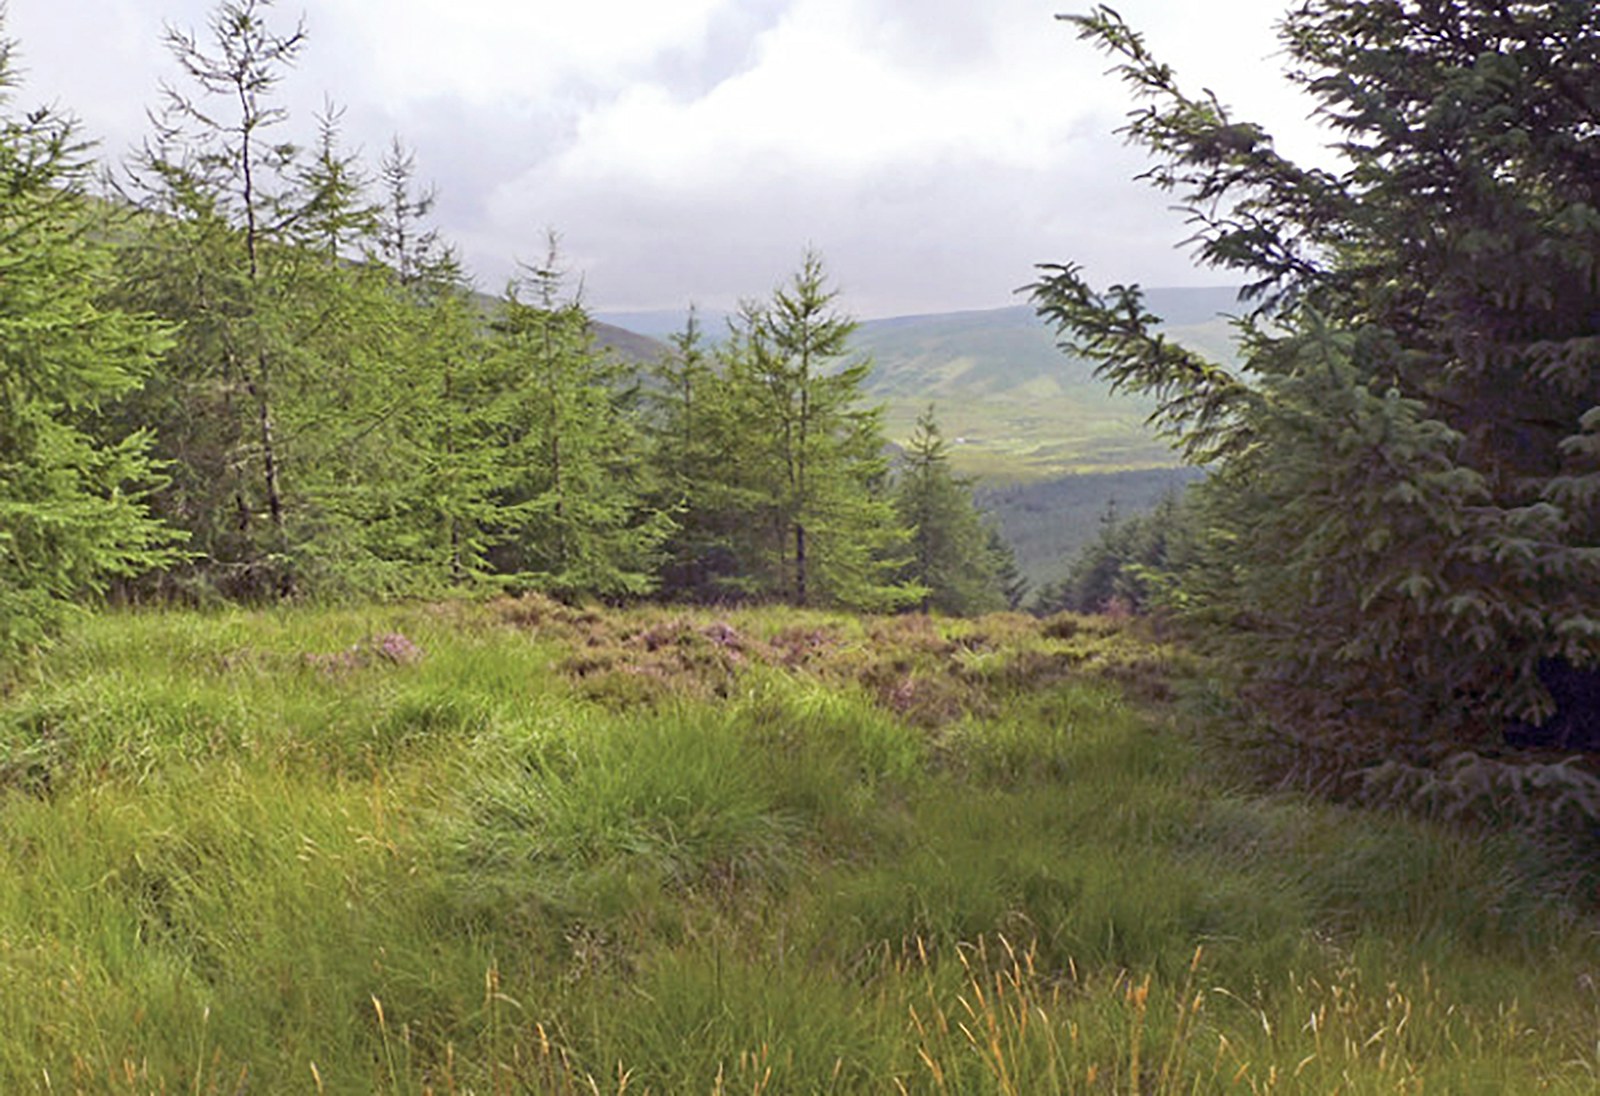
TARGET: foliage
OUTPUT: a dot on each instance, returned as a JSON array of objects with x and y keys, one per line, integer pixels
[
  {"x": 1401, "y": 520},
  {"x": 224, "y": 252},
  {"x": 338, "y": 416},
  {"x": 572, "y": 496},
  {"x": 73, "y": 498},
  {"x": 953, "y": 554},
  {"x": 825, "y": 531},
  {"x": 1126, "y": 568},
  {"x": 695, "y": 434}
]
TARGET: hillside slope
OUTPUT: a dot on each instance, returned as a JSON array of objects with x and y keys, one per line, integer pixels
[
  {"x": 521, "y": 847},
  {"x": 1022, "y": 408}
]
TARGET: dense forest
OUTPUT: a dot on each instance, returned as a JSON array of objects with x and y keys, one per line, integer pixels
[{"x": 250, "y": 369}]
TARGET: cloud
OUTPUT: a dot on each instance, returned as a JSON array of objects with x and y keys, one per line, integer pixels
[
  {"x": 486, "y": 53},
  {"x": 692, "y": 148}
]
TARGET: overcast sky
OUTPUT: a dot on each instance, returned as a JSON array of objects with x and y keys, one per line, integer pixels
[{"x": 933, "y": 150}]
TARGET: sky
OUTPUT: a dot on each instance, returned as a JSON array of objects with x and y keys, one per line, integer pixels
[{"x": 933, "y": 151}]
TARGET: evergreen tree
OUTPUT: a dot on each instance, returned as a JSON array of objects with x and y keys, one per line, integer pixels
[
  {"x": 72, "y": 494},
  {"x": 826, "y": 531},
  {"x": 1014, "y": 585},
  {"x": 574, "y": 495},
  {"x": 953, "y": 559},
  {"x": 1403, "y": 524},
  {"x": 445, "y": 514},
  {"x": 1123, "y": 566},
  {"x": 694, "y": 435},
  {"x": 219, "y": 195},
  {"x": 290, "y": 405}
]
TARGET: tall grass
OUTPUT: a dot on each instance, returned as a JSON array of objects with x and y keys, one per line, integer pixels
[{"x": 252, "y": 852}]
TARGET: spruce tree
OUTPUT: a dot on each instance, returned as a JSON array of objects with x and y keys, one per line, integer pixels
[{"x": 1402, "y": 527}]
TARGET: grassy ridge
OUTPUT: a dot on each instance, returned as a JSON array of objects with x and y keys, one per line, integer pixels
[{"x": 524, "y": 848}]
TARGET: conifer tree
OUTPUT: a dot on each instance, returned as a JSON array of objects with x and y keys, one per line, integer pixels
[
  {"x": 953, "y": 559},
  {"x": 574, "y": 493},
  {"x": 219, "y": 192},
  {"x": 72, "y": 491},
  {"x": 1402, "y": 527},
  {"x": 444, "y": 515},
  {"x": 287, "y": 404},
  {"x": 694, "y": 437},
  {"x": 827, "y": 532}
]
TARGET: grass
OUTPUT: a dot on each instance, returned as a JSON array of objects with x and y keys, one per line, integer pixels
[{"x": 537, "y": 849}]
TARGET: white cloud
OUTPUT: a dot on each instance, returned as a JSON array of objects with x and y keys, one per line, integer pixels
[
  {"x": 485, "y": 52},
  {"x": 692, "y": 147}
]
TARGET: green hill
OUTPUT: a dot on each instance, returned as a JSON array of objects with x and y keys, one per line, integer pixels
[{"x": 1016, "y": 406}]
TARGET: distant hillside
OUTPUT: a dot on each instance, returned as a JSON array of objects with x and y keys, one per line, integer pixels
[
  {"x": 661, "y": 324},
  {"x": 1020, "y": 407},
  {"x": 1016, "y": 406},
  {"x": 628, "y": 345}
]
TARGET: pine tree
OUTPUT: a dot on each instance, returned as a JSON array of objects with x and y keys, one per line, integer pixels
[{"x": 72, "y": 493}]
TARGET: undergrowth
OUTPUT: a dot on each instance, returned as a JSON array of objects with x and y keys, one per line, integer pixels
[{"x": 527, "y": 848}]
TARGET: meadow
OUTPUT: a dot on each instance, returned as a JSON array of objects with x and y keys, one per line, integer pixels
[{"x": 519, "y": 847}]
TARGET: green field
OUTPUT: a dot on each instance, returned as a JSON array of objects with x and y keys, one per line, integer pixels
[{"x": 521, "y": 848}]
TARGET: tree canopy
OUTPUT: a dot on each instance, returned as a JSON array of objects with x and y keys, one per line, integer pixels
[{"x": 251, "y": 369}]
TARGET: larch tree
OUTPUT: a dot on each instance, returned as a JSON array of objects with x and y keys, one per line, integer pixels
[
  {"x": 220, "y": 194},
  {"x": 573, "y": 497},
  {"x": 693, "y": 433},
  {"x": 286, "y": 404},
  {"x": 830, "y": 532},
  {"x": 73, "y": 488}
]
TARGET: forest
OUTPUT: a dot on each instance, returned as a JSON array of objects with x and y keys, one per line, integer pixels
[{"x": 400, "y": 692}]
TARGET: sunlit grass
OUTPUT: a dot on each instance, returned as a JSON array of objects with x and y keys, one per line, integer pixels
[{"x": 811, "y": 853}]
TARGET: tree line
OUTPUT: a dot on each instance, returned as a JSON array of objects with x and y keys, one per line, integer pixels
[{"x": 251, "y": 369}]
